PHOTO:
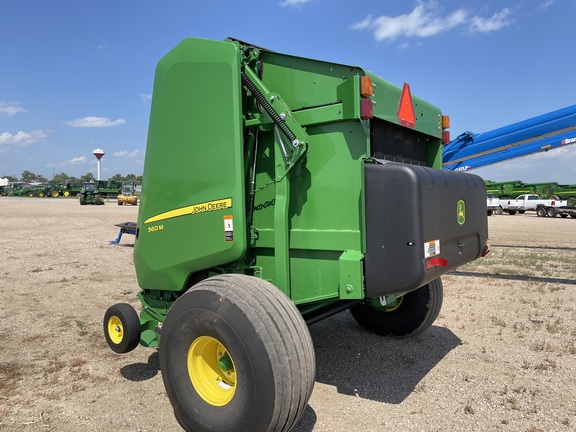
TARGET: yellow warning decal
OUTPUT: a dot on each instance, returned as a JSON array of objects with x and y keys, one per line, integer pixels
[{"x": 193, "y": 209}]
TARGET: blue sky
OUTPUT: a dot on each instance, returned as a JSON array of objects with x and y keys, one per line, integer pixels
[{"x": 76, "y": 76}]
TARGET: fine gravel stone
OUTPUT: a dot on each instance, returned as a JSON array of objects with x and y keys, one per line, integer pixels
[{"x": 501, "y": 355}]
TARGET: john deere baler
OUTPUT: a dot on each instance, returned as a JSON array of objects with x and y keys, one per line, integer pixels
[{"x": 278, "y": 191}]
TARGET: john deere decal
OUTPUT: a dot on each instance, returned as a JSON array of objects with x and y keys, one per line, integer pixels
[{"x": 461, "y": 212}]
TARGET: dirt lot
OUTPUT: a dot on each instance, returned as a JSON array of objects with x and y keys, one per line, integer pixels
[{"x": 501, "y": 356}]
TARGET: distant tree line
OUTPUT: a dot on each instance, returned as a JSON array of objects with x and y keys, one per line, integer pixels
[{"x": 64, "y": 178}]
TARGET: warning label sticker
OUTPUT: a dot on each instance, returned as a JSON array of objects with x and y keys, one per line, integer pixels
[
  {"x": 431, "y": 248},
  {"x": 228, "y": 229}
]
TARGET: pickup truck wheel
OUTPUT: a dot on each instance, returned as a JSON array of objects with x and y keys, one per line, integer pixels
[
  {"x": 551, "y": 212},
  {"x": 511, "y": 212},
  {"x": 236, "y": 355},
  {"x": 417, "y": 310},
  {"x": 541, "y": 212},
  {"x": 498, "y": 210}
]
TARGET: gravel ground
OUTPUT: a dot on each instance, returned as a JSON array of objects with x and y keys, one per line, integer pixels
[{"x": 500, "y": 357}]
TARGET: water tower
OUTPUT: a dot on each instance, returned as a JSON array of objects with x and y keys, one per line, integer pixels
[{"x": 98, "y": 153}]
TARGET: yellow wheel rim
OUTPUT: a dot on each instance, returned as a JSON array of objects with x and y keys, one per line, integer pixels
[
  {"x": 66, "y": 193},
  {"x": 211, "y": 370},
  {"x": 396, "y": 306},
  {"x": 115, "y": 330},
  {"x": 54, "y": 194}
]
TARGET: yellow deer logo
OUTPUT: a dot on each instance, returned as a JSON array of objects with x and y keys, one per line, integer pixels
[{"x": 461, "y": 212}]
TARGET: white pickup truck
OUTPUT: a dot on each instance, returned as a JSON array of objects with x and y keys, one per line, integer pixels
[{"x": 531, "y": 202}]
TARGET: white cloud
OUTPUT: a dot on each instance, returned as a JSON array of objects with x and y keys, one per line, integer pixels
[
  {"x": 21, "y": 139},
  {"x": 427, "y": 20},
  {"x": 496, "y": 22},
  {"x": 126, "y": 153},
  {"x": 76, "y": 161},
  {"x": 294, "y": 2},
  {"x": 93, "y": 122},
  {"x": 544, "y": 6},
  {"x": 146, "y": 97},
  {"x": 364, "y": 24},
  {"x": 10, "y": 109}
]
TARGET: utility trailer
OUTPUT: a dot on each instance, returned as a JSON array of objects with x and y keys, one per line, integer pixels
[
  {"x": 552, "y": 211},
  {"x": 278, "y": 191}
]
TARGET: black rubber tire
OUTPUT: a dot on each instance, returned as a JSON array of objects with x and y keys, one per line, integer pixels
[
  {"x": 130, "y": 334},
  {"x": 82, "y": 199},
  {"x": 416, "y": 313},
  {"x": 551, "y": 212},
  {"x": 98, "y": 199},
  {"x": 490, "y": 212},
  {"x": 541, "y": 212},
  {"x": 268, "y": 342},
  {"x": 511, "y": 212}
]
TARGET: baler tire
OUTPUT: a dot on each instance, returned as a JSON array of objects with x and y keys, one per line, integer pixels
[
  {"x": 122, "y": 328},
  {"x": 416, "y": 312},
  {"x": 269, "y": 352}
]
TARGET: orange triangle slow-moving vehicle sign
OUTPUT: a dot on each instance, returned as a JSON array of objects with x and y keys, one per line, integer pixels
[{"x": 406, "y": 115}]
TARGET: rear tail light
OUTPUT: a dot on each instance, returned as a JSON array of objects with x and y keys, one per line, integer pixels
[
  {"x": 366, "y": 89},
  {"x": 366, "y": 109}
]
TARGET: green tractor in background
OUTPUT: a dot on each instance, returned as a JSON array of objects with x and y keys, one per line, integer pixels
[{"x": 90, "y": 194}]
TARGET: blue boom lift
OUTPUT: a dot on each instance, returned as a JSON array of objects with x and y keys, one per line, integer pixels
[{"x": 538, "y": 134}]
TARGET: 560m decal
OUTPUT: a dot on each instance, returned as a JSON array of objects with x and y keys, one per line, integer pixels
[{"x": 193, "y": 209}]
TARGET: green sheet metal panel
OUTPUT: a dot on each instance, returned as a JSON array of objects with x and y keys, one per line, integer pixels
[
  {"x": 193, "y": 186},
  {"x": 325, "y": 213}
]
